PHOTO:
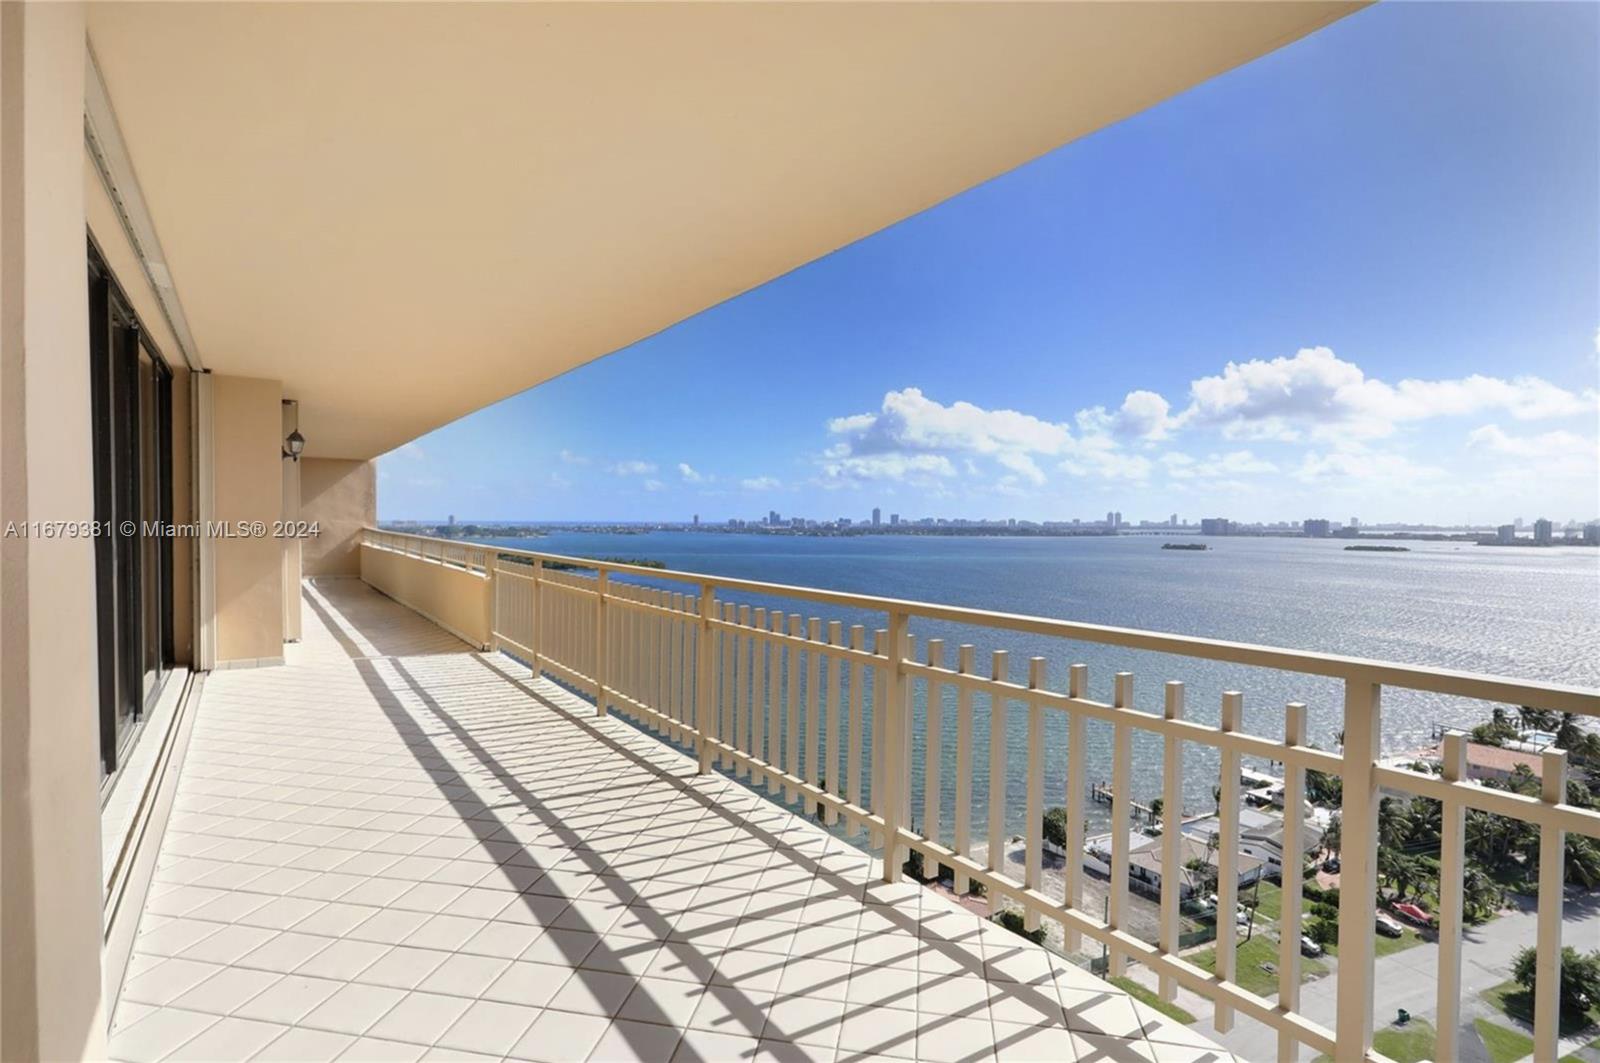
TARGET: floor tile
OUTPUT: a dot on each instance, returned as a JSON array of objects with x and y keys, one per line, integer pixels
[
  {"x": 420, "y": 1017},
  {"x": 560, "y": 1037},
  {"x": 353, "y": 1009},
  {"x": 489, "y": 1026}
]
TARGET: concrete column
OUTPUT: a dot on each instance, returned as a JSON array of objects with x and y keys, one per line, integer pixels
[{"x": 51, "y": 1004}]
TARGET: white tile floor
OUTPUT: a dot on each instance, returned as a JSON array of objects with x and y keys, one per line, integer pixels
[{"x": 394, "y": 848}]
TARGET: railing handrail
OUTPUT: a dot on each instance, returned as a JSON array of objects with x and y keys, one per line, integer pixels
[{"x": 1558, "y": 697}]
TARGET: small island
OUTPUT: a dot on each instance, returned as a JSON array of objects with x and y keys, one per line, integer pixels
[
  {"x": 1371, "y": 549},
  {"x": 1184, "y": 546}
]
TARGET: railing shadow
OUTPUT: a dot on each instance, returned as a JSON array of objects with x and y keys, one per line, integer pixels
[{"x": 391, "y": 681}]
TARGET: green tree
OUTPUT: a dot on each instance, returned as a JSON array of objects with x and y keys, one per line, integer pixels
[
  {"x": 1323, "y": 931},
  {"x": 1055, "y": 826},
  {"x": 1014, "y": 922},
  {"x": 1481, "y": 895},
  {"x": 1580, "y": 977},
  {"x": 1323, "y": 788}
]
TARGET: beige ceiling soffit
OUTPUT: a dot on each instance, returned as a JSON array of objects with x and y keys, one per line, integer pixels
[{"x": 110, "y": 154}]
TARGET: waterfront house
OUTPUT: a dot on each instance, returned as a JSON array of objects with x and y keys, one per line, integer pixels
[{"x": 282, "y": 784}]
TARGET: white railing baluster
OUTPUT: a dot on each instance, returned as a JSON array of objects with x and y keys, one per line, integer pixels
[
  {"x": 999, "y": 670},
  {"x": 1552, "y": 896},
  {"x": 791, "y": 708},
  {"x": 758, "y": 686},
  {"x": 896, "y": 725},
  {"x": 814, "y": 702},
  {"x": 880, "y": 684},
  {"x": 933, "y": 744},
  {"x": 1452, "y": 868},
  {"x": 741, "y": 689},
  {"x": 1228, "y": 856},
  {"x": 600, "y": 642},
  {"x": 1034, "y": 862},
  {"x": 1121, "y": 813},
  {"x": 1077, "y": 769},
  {"x": 774, "y": 751},
  {"x": 965, "y": 656},
  {"x": 1171, "y": 835},
  {"x": 730, "y": 683},
  {"x": 830, "y": 720},
  {"x": 908, "y": 656},
  {"x": 704, "y": 685},
  {"x": 1358, "y": 875},
  {"x": 1294, "y": 858},
  {"x": 854, "y": 729}
]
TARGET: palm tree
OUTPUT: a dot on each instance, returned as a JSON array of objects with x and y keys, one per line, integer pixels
[
  {"x": 1481, "y": 895},
  {"x": 1333, "y": 835},
  {"x": 1583, "y": 861}
]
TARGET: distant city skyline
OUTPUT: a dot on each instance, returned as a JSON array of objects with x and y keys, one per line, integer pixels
[{"x": 1357, "y": 275}]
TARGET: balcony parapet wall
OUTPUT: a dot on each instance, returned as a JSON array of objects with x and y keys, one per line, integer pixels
[{"x": 453, "y": 596}]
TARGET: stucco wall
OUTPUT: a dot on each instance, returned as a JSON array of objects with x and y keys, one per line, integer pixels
[
  {"x": 248, "y": 448},
  {"x": 453, "y": 598},
  {"x": 51, "y": 1004},
  {"x": 340, "y": 497}
]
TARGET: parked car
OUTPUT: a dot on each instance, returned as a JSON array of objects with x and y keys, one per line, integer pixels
[
  {"x": 1331, "y": 865},
  {"x": 1309, "y": 947},
  {"x": 1414, "y": 913},
  {"x": 1388, "y": 927}
]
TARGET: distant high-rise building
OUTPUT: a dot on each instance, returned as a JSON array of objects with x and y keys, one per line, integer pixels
[
  {"x": 1506, "y": 533},
  {"x": 894, "y": 518},
  {"x": 1591, "y": 532},
  {"x": 697, "y": 520},
  {"x": 1111, "y": 519},
  {"x": 452, "y": 522},
  {"x": 772, "y": 517},
  {"x": 1355, "y": 522},
  {"x": 1173, "y": 520},
  {"x": 877, "y": 516},
  {"x": 1517, "y": 524},
  {"x": 1316, "y": 529},
  {"x": 1542, "y": 529},
  {"x": 1116, "y": 519},
  {"x": 1216, "y": 526}
]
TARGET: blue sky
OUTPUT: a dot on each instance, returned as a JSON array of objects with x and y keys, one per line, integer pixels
[{"x": 1359, "y": 276}]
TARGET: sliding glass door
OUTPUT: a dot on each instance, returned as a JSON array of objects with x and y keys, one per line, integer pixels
[{"x": 132, "y": 399}]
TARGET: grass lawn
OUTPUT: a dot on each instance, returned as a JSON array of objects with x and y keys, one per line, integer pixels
[
  {"x": 1504, "y": 1046},
  {"x": 1387, "y": 945},
  {"x": 1251, "y": 955},
  {"x": 1411, "y": 1043},
  {"x": 1517, "y": 1003},
  {"x": 1271, "y": 898},
  {"x": 1144, "y": 995}
]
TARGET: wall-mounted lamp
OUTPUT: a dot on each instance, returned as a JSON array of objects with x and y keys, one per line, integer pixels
[{"x": 294, "y": 445}]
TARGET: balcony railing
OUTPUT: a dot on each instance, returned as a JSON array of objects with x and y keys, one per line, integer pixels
[{"x": 787, "y": 701}]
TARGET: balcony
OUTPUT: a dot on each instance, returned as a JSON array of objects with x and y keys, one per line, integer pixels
[
  {"x": 659, "y": 842},
  {"x": 397, "y": 847}
]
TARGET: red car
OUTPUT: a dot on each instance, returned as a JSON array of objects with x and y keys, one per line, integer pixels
[{"x": 1413, "y": 913}]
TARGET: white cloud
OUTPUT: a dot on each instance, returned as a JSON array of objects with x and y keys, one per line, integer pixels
[
  {"x": 1316, "y": 390},
  {"x": 1144, "y": 415},
  {"x": 633, "y": 468},
  {"x": 893, "y": 467},
  {"x": 1366, "y": 467},
  {"x": 653, "y": 485},
  {"x": 759, "y": 483},
  {"x": 1565, "y": 458},
  {"x": 570, "y": 458},
  {"x": 1182, "y": 466},
  {"x": 689, "y": 474}
]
